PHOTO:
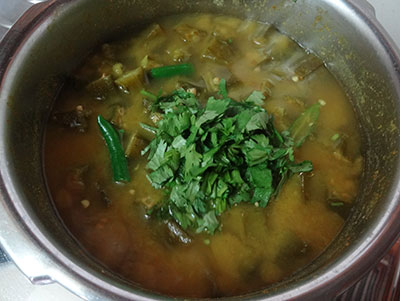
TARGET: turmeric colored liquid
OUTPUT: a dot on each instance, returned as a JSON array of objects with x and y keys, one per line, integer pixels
[{"x": 256, "y": 246}]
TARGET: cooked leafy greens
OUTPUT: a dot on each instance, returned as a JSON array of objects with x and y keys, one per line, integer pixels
[
  {"x": 304, "y": 124},
  {"x": 208, "y": 159}
]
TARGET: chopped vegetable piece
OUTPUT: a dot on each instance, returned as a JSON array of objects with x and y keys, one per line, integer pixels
[
  {"x": 76, "y": 119},
  {"x": 134, "y": 146},
  {"x": 209, "y": 81},
  {"x": 177, "y": 234},
  {"x": 117, "y": 70},
  {"x": 266, "y": 88},
  {"x": 303, "y": 126},
  {"x": 85, "y": 203},
  {"x": 307, "y": 66},
  {"x": 155, "y": 31},
  {"x": 191, "y": 84},
  {"x": 118, "y": 117},
  {"x": 219, "y": 51},
  {"x": 189, "y": 33},
  {"x": 180, "y": 55},
  {"x": 172, "y": 70},
  {"x": 278, "y": 47},
  {"x": 101, "y": 87},
  {"x": 208, "y": 159},
  {"x": 146, "y": 132},
  {"x": 148, "y": 63},
  {"x": 119, "y": 163},
  {"x": 131, "y": 80},
  {"x": 337, "y": 204}
]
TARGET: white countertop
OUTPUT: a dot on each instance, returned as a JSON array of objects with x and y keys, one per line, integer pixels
[
  {"x": 15, "y": 287},
  {"x": 388, "y": 14}
]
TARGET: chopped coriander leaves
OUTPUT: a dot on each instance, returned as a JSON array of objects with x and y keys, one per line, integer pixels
[
  {"x": 207, "y": 159},
  {"x": 222, "y": 88},
  {"x": 256, "y": 98}
]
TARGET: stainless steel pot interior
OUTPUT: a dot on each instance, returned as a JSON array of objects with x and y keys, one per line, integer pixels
[{"x": 53, "y": 38}]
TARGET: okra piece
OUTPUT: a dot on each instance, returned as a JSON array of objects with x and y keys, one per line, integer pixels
[
  {"x": 134, "y": 146},
  {"x": 219, "y": 51},
  {"x": 101, "y": 87},
  {"x": 307, "y": 66},
  {"x": 132, "y": 79}
]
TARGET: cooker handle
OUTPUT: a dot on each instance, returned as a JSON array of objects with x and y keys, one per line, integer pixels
[
  {"x": 22, "y": 250},
  {"x": 365, "y": 7}
]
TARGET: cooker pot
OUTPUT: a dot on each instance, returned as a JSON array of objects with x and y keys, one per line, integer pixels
[{"x": 53, "y": 37}]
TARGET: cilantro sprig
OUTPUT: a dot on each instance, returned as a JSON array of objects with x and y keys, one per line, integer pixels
[{"x": 207, "y": 159}]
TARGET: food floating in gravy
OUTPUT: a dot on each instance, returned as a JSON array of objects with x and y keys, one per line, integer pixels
[{"x": 205, "y": 156}]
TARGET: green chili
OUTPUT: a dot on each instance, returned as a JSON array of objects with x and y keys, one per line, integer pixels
[
  {"x": 172, "y": 70},
  {"x": 119, "y": 163}
]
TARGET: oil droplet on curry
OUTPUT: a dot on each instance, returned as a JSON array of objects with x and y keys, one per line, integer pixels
[{"x": 253, "y": 246}]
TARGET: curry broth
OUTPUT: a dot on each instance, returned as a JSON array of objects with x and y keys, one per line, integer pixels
[{"x": 256, "y": 247}]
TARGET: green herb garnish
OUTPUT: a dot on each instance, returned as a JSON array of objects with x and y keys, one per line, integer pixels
[{"x": 207, "y": 159}]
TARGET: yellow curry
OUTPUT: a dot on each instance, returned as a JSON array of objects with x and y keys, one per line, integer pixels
[{"x": 253, "y": 246}]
